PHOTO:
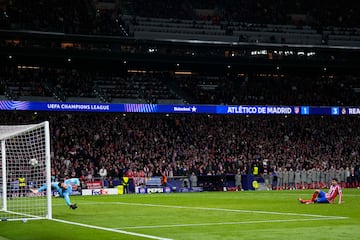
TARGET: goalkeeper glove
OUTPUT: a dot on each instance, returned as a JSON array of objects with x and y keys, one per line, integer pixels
[{"x": 73, "y": 206}]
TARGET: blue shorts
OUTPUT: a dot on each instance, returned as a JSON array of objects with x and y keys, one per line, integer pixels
[{"x": 322, "y": 197}]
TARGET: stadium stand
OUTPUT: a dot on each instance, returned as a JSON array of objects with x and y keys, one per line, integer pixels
[
  {"x": 207, "y": 145},
  {"x": 298, "y": 22},
  {"x": 270, "y": 89},
  {"x": 133, "y": 52},
  {"x": 263, "y": 21},
  {"x": 70, "y": 84},
  {"x": 82, "y": 17}
]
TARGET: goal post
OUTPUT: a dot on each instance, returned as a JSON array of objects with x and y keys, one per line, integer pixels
[{"x": 25, "y": 164}]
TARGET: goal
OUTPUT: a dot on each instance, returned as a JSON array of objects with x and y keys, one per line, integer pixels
[{"x": 25, "y": 164}]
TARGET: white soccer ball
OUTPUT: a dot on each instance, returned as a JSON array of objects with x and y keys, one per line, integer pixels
[{"x": 33, "y": 162}]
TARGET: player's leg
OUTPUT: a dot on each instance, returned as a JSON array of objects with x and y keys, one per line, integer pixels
[
  {"x": 313, "y": 197},
  {"x": 66, "y": 196}
]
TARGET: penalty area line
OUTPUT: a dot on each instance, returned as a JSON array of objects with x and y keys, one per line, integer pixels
[
  {"x": 111, "y": 230},
  {"x": 230, "y": 223}
]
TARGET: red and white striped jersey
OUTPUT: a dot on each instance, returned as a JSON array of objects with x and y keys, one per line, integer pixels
[{"x": 333, "y": 192}]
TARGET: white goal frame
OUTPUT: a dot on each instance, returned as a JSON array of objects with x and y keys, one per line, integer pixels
[{"x": 6, "y": 133}]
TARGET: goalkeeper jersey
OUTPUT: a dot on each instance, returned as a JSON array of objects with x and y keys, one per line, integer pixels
[{"x": 64, "y": 193}]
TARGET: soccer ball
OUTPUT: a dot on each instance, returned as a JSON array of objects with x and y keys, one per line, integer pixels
[{"x": 33, "y": 162}]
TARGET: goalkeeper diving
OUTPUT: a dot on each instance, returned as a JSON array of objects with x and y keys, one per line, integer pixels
[{"x": 64, "y": 189}]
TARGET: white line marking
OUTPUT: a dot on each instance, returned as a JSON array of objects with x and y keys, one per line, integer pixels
[
  {"x": 111, "y": 230},
  {"x": 221, "y": 209},
  {"x": 27, "y": 216},
  {"x": 228, "y": 223}
]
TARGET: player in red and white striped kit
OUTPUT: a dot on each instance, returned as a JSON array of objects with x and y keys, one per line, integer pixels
[{"x": 321, "y": 197}]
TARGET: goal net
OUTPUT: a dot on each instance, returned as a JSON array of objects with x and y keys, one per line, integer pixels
[{"x": 25, "y": 164}]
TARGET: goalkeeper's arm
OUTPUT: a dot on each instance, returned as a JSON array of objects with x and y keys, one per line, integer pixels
[
  {"x": 34, "y": 191},
  {"x": 40, "y": 189}
]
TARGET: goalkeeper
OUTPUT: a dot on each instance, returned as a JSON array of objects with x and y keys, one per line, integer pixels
[{"x": 63, "y": 188}]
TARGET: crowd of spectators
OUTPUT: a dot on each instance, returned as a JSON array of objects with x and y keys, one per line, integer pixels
[{"x": 177, "y": 145}]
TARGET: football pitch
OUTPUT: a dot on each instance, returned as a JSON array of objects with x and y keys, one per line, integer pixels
[{"x": 195, "y": 216}]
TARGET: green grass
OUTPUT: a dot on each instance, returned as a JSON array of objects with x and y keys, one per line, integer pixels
[{"x": 196, "y": 216}]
